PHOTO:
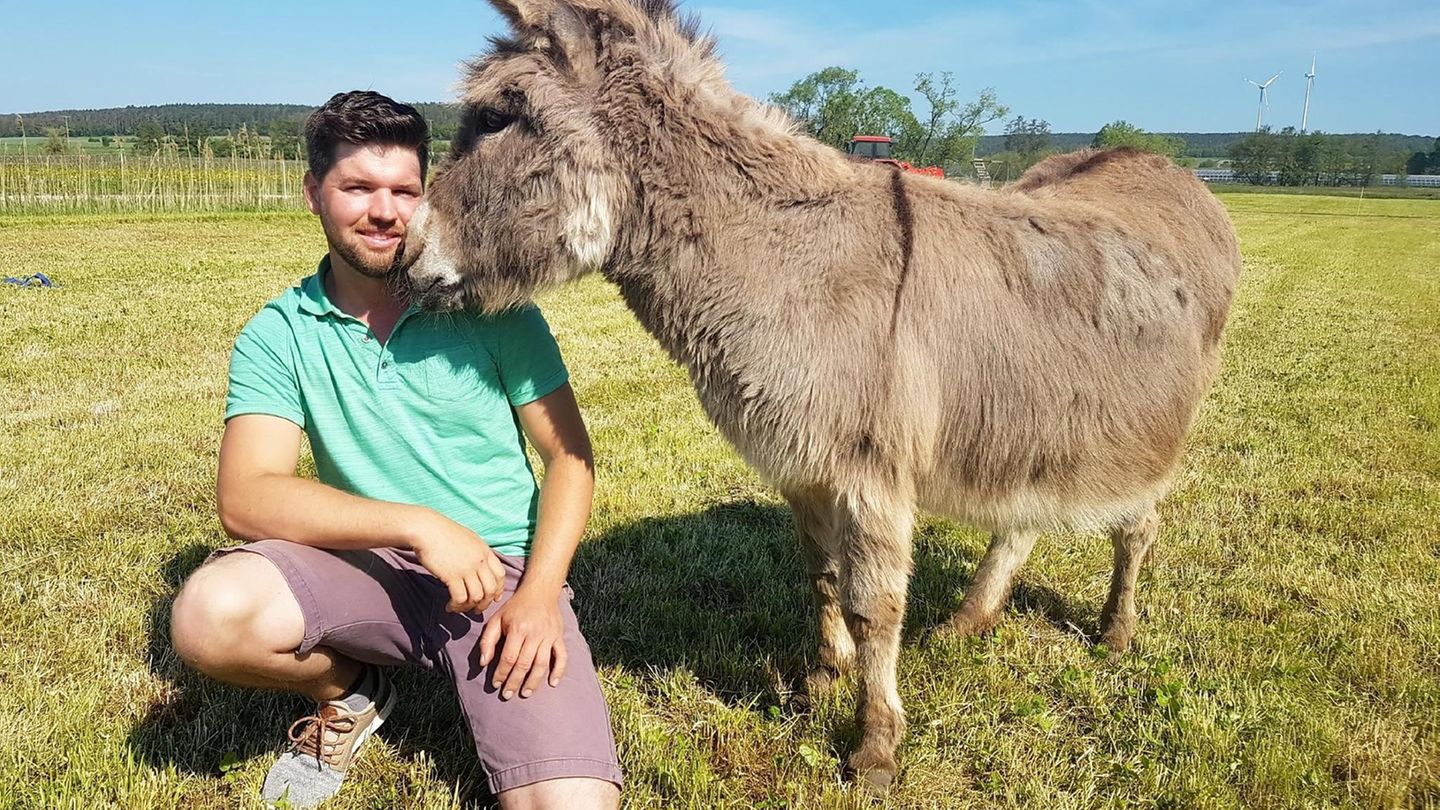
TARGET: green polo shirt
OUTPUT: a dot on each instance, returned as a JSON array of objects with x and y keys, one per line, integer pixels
[{"x": 425, "y": 418}]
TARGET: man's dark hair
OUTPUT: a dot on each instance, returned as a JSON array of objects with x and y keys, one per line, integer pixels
[{"x": 363, "y": 117}]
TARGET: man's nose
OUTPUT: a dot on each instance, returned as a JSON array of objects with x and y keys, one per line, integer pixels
[{"x": 382, "y": 206}]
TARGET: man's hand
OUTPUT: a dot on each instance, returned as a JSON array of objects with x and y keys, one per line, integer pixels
[
  {"x": 534, "y": 643},
  {"x": 461, "y": 560}
]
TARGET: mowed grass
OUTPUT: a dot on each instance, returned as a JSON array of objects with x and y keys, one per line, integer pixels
[
  {"x": 1289, "y": 652},
  {"x": 34, "y": 145}
]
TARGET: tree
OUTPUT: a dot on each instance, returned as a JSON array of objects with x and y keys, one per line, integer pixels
[
  {"x": 148, "y": 138},
  {"x": 833, "y": 105},
  {"x": 949, "y": 133},
  {"x": 1029, "y": 140},
  {"x": 825, "y": 104},
  {"x": 1254, "y": 157},
  {"x": 1424, "y": 162},
  {"x": 54, "y": 142},
  {"x": 285, "y": 139},
  {"x": 1123, "y": 133},
  {"x": 882, "y": 111},
  {"x": 197, "y": 137}
]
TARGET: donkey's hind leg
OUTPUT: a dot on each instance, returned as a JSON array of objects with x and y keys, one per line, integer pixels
[
  {"x": 1133, "y": 541},
  {"x": 991, "y": 588},
  {"x": 815, "y": 525}
]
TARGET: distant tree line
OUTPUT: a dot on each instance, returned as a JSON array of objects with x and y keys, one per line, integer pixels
[
  {"x": 172, "y": 117},
  {"x": 1027, "y": 141},
  {"x": 945, "y": 130},
  {"x": 1290, "y": 158},
  {"x": 244, "y": 130}
]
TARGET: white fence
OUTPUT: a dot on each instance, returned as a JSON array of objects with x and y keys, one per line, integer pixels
[{"x": 1412, "y": 180}]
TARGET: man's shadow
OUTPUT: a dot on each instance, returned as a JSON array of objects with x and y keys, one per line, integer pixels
[
  {"x": 721, "y": 594},
  {"x": 205, "y": 728}
]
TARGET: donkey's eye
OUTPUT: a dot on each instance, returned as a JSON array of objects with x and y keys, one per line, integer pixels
[
  {"x": 489, "y": 122},
  {"x": 477, "y": 123}
]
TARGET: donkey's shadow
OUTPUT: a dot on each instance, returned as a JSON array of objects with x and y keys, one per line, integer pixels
[
  {"x": 721, "y": 594},
  {"x": 724, "y": 594}
]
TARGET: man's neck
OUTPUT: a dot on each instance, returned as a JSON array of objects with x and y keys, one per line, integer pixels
[{"x": 372, "y": 301}]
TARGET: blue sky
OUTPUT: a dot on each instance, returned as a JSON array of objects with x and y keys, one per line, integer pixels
[{"x": 1176, "y": 66}]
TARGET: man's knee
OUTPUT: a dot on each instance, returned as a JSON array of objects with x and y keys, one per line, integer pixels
[{"x": 232, "y": 609}]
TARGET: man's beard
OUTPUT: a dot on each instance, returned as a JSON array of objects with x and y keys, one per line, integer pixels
[{"x": 374, "y": 267}]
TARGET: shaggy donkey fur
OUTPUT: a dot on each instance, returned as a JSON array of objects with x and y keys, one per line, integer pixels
[{"x": 872, "y": 342}]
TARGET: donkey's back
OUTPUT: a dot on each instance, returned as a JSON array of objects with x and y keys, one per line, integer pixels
[{"x": 1072, "y": 331}]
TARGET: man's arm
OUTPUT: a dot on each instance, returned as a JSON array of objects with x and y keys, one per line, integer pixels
[
  {"x": 259, "y": 496},
  {"x": 530, "y": 622}
]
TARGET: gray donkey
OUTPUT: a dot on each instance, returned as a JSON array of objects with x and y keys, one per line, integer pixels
[{"x": 872, "y": 342}]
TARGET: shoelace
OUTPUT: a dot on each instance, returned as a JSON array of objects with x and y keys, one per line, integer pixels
[{"x": 308, "y": 733}]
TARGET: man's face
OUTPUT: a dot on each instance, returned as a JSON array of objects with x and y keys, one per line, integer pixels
[{"x": 364, "y": 203}]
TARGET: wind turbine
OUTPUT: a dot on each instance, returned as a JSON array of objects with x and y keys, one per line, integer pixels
[
  {"x": 1309, "y": 84},
  {"x": 1264, "y": 97}
]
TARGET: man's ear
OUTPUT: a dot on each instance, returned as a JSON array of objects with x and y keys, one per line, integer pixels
[{"x": 312, "y": 193}]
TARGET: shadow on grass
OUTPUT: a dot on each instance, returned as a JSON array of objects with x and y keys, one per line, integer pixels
[
  {"x": 205, "y": 725},
  {"x": 720, "y": 593},
  {"x": 724, "y": 594}
]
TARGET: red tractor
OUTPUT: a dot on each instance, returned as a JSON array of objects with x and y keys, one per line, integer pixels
[{"x": 877, "y": 148}]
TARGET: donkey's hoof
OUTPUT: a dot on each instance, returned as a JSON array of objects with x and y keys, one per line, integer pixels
[
  {"x": 872, "y": 771},
  {"x": 1117, "y": 633},
  {"x": 967, "y": 623},
  {"x": 822, "y": 680}
]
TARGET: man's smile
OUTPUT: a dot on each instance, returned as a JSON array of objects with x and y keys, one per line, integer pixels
[{"x": 380, "y": 240}]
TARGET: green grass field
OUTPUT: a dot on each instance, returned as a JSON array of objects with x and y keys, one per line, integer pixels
[
  {"x": 35, "y": 145},
  {"x": 1289, "y": 652},
  {"x": 1372, "y": 192}
]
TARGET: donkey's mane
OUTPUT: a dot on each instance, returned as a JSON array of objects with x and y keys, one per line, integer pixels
[
  {"x": 659, "y": 12},
  {"x": 662, "y": 11}
]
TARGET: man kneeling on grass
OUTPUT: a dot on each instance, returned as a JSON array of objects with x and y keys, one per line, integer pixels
[{"x": 426, "y": 540}]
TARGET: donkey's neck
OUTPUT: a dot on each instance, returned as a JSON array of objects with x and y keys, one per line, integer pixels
[{"x": 699, "y": 169}]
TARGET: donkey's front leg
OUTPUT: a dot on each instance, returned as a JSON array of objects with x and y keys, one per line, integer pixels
[
  {"x": 815, "y": 524},
  {"x": 875, "y": 528}
]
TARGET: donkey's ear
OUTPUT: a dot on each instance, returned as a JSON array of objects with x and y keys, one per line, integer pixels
[
  {"x": 525, "y": 15},
  {"x": 622, "y": 13},
  {"x": 569, "y": 30},
  {"x": 552, "y": 24}
]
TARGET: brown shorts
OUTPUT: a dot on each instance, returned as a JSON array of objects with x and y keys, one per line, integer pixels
[{"x": 383, "y": 607}]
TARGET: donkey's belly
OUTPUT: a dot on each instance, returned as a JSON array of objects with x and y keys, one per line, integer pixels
[{"x": 1034, "y": 508}]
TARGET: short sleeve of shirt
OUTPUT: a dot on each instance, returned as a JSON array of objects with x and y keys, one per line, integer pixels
[
  {"x": 528, "y": 358},
  {"x": 263, "y": 377}
]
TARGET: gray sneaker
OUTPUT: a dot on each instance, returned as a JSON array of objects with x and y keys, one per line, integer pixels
[{"x": 323, "y": 746}]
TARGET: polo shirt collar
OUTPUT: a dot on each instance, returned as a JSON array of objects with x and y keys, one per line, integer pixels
[{"x": 313, "y": 298}]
